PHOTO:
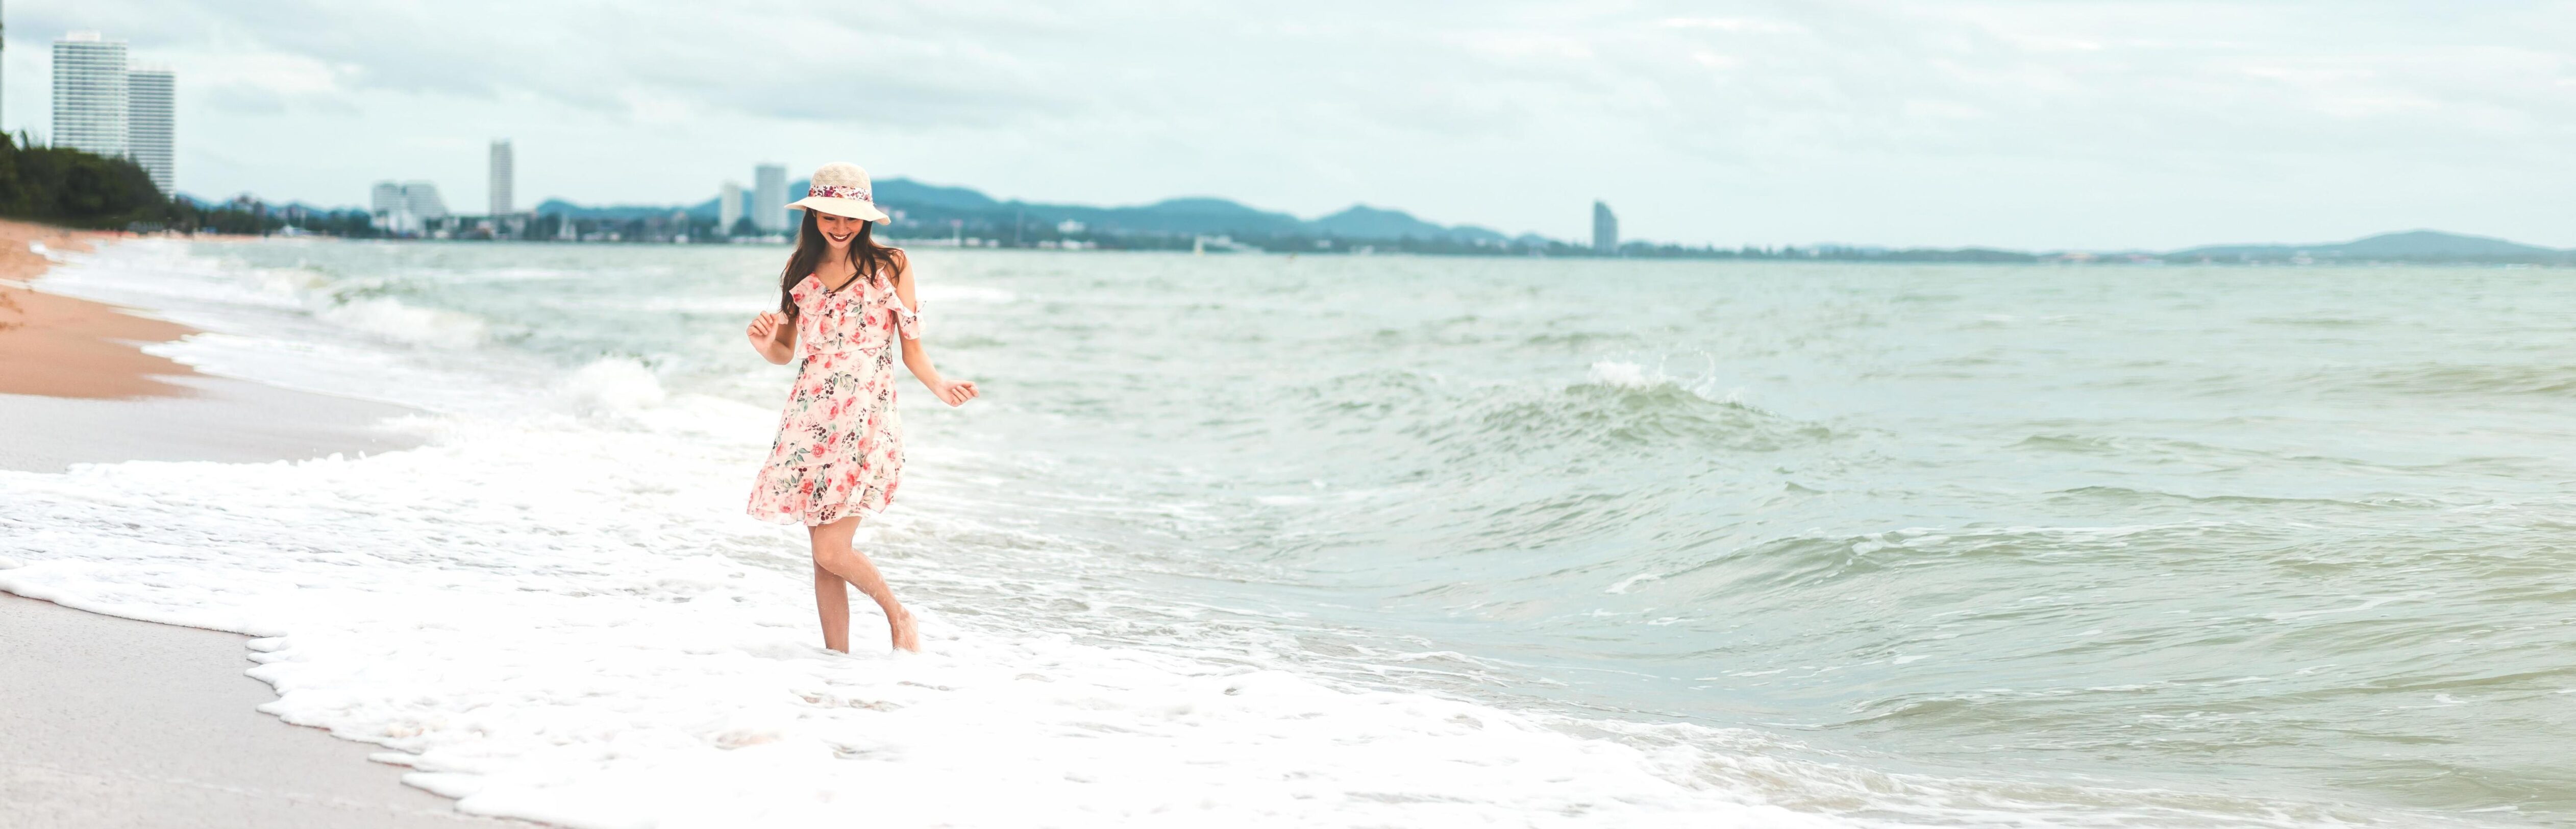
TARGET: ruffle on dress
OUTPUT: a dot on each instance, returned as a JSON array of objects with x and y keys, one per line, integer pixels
[{"x": 907, "y": 321}]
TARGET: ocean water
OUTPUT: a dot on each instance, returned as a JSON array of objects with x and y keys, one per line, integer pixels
[{"x": 1394, "y": 541}]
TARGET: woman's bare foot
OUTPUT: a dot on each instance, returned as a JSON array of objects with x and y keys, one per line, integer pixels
[{"x": 907, "y": 636}]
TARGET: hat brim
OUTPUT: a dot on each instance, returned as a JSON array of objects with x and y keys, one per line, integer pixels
[{"x": 851, "y": 208}]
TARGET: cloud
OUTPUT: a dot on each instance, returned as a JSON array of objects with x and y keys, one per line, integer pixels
[
  {"x": 1728, "y": 122},
  {"x": 1732, "y": 24}
]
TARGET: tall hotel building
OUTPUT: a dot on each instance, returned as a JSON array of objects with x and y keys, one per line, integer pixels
[
  {"x": 103, "y": 108},
  {"x": 501, "y": 179},
  {"x": 148, "y": 94},
  {"x": 1605, "y": 230},
  {"x": 728, "y": 208},
  {"x": 89, "y": 94},
  {"x": 769, "y": 198}
]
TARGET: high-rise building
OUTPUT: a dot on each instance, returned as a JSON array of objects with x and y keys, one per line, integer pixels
[
  {"x": 149, "y": 93},
  {"x": 406, "y": 207},
  {"x": 1605, "y": 229},
  {"x": 501, "y": 179},
  {"x": 89, "y": 94},
  {"x": 769, "y": 198},
  {"x": 728, "y": 208},
  {"x": 387, "y": 210},
  {"x": 384, "y": 198},
  {"x": 422, "y": 198}
]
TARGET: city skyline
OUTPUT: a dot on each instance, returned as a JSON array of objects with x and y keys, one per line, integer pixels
[{"x": 2030, "y": 125}]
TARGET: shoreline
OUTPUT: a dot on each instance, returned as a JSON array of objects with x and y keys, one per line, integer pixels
[
  {"x": 76, "y": 385},
  {"x": 59, "y": 346},
  {"x": 119, "y": 722}
]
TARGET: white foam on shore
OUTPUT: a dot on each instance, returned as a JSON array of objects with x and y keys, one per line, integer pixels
[
  {"x": 568, "y": 620},
  {"x": 559, "y": 612}
]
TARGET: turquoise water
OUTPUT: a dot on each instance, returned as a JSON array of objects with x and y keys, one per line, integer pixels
[{"x": 2289, "y": 536}]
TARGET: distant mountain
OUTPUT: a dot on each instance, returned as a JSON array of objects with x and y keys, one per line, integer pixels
[
  {"x": 930, "y": 209},
  {"x": 2409, "y": 246},
  {"x": 1361, "y": 221},
  {"x": 559, "y": 207},
  {"x": 926, "y": 208},
  {"x": 907, "y": 191},
  {"x": 1196, "y": 215}
]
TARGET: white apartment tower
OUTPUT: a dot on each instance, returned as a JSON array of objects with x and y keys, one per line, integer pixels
[
  {"x": 728, "y": 208},
  {"x": 149, "y": 91},
  {"x": 501, "y": 178},
  {"x": 89, "y": 94},
  {"x": 103, "y": 107},
  {"x": 405, "y": 207},
  {"x": 769, "y": 198}
]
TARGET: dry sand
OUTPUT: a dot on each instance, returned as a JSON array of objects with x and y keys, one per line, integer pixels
[{"x": 108, "y": 722}]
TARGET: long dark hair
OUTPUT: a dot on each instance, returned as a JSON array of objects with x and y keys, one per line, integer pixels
[{"x": 872, "y": 260}]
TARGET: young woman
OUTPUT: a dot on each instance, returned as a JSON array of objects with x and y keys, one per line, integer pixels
[{"x": 844, "y": 302}]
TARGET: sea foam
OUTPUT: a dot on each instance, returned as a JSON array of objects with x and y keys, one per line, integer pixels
[{"x": 569, "y": 621}]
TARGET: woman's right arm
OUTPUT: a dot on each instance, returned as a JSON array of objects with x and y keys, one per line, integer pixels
[{"x": 772, "y": 337}]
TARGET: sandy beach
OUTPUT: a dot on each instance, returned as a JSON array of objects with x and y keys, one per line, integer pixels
[
  {"x": 114, "y": 722},
  {"x": 77, "y": 387},
  {"x": 64, "y": 347}
]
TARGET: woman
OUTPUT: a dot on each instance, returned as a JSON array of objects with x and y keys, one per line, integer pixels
[{"x": 844, "y": 301}]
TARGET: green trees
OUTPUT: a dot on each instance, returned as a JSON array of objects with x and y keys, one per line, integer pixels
[{"x": 70, "y": 187}]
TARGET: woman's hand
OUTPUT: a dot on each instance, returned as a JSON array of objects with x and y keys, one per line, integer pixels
[
  {"x": 764, "y": 332},
  {"x": 953, "y": 392}
]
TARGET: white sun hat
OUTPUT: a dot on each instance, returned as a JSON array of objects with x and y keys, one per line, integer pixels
[{"x": 841, "y": 189}]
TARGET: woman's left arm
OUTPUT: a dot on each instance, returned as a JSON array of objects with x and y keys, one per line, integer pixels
[{"x": 916, "y": 357}]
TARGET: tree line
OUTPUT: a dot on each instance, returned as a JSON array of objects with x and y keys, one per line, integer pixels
[{"x": 71, "y": 188}]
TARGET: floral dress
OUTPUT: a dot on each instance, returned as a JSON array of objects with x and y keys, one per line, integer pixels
[{"x": 840, "y": 446}]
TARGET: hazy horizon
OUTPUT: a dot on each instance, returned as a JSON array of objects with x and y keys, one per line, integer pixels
[{"x": 2088, "y": 125}]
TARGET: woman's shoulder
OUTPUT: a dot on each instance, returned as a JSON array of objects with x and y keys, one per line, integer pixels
[{"x": 898, "y": 264}]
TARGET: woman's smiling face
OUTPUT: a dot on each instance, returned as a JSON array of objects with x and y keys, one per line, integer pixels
[{"x": 838, "y": 230}]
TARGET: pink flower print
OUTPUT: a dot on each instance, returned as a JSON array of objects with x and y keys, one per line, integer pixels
[{"x": 840, "y": 409}]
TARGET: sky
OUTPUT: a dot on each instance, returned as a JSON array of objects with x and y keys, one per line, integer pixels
[{"x": 2065, "y": 124}]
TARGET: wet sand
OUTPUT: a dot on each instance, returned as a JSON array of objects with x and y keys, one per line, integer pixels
[
  {"x": 114, "y": 722},
  {"x": 65, "y": 347}
]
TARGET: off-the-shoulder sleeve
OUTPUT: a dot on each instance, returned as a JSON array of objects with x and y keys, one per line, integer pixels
[
  {"x": 907, "y": 322},
  {"x": 805, "y": 295}
]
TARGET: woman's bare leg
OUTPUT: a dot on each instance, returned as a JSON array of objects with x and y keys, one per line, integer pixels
[
  {"x": 833, "y": 556},
  {"x": 832, "y": 597}
]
